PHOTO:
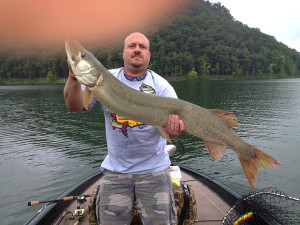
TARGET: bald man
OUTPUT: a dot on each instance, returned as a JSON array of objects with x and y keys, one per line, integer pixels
[{"x": 136, "y": 167}]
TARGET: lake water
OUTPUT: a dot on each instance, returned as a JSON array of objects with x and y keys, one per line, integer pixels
[{"x": 44, "y": 149}]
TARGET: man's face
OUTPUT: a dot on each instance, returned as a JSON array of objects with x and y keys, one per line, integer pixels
[{"x": 136, "y": 53}]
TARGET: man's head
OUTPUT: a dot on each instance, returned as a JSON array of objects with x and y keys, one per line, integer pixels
[{"x": 136, "y": 54}]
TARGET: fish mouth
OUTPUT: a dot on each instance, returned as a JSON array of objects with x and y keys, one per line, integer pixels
[
  {"x": 70, "y": 50},
  {"x": 73, "y": 45},
  {"x": 74, "y": 50}
]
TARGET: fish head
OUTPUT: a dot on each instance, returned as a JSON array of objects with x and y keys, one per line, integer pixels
[{"x": 82, "y": 63}]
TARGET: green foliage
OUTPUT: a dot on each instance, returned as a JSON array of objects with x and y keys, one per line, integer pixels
[
  {"x": 204, "y": 37},
  {"x": 50, "y": 76},
  {"x": 192, "y": 75},
  {"x": 272, "y": 65},
  {"x": 204, "y": 66}
]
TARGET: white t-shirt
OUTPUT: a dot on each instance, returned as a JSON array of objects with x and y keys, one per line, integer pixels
[{"x": 134, "y": 147}]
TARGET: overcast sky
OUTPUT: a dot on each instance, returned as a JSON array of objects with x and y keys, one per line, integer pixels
[{"x": 279, "y": 18}]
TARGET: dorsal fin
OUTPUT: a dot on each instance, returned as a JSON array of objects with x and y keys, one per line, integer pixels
[{"x": 228, "y": 117}]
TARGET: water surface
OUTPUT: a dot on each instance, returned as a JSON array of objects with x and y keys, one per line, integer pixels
[{"x": 44, "y": 149}]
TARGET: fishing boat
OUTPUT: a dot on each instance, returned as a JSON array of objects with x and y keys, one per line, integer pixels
[
  {"x": 199, "y": 199},
  {"x": 213, "y": 199}
]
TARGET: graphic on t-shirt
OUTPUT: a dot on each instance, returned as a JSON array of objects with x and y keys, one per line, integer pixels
[
  {"x": 147, "y": 89},
  {"x": 124, "y": 125}
]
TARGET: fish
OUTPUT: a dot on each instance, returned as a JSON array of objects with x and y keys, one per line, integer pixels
[{"x": 213, "y": 126}]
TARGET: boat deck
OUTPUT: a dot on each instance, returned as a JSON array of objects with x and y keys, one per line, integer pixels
[{"x": 210, "y": 207}]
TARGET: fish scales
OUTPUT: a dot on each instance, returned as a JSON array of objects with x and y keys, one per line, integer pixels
[{"x": 213, "y": 126}]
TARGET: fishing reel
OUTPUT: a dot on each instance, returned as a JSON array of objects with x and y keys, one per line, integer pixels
[
  {"x": 79, "y": 212},
  {"x": 82, "y": 199}
]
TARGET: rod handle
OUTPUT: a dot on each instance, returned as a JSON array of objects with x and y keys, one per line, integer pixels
[
  {"x": 33, "y": 203},
  {"x": 69, "y": 198}
]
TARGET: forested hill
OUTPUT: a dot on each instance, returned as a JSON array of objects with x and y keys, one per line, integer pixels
[
  {"x": 204, "y": 38},
  {"x": 209, "y": 39}
]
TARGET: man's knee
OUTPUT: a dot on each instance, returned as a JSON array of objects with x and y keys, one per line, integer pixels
[
  {"x": 156, "y": 200},
  {"x": 115, "y": 200}
]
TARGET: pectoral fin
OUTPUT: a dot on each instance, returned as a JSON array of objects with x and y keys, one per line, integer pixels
[
  {"x": 164, "y": 134},
  {"x": 87, "y": 98},
  {"x": 228, "y": 117},
  {"x": 215, "y": 150}
]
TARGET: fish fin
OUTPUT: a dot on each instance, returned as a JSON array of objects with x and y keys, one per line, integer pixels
[
  {"x": 228, "y": 117},
  {"x": 87, "y": 98},
  {"x": 164, "y": 134},
  {"x": 215, "y": 150},
  {"x": 252, "y": 165}
]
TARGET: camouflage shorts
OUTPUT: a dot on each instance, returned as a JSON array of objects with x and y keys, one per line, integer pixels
[{"x": 152, "y": 194}]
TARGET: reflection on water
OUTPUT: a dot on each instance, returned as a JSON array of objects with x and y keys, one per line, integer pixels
[{"x": 45, "y": 149}]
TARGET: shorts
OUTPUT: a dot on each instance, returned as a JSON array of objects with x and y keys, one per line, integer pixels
[{"x": 151, "y": 192}]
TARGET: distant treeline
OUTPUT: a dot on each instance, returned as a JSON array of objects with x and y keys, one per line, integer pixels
[{"x": 204, "y": 40}]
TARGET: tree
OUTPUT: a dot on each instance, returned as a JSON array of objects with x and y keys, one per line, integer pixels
[
  {"x": 50, "y": 76},
  {"x": 271, "y": 68},
  {"x": 29, "y": 69},
  {"x": 192, "y": 75},
  {"x": 204, "y": 66},
  {"x": 204, "y": 37}
]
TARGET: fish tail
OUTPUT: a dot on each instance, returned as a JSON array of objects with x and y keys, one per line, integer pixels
[{"x": 252, "y": 165}]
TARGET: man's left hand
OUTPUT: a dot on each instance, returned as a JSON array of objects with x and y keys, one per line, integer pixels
[{"x": 175, "y": 126}]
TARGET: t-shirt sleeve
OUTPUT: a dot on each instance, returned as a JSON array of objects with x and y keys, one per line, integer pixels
[
  {"x": 163, "y": 87},
  {"x": 169, "y": 92}
]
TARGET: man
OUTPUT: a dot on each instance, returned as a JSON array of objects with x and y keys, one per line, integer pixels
[{"x": 137, "y": 166}]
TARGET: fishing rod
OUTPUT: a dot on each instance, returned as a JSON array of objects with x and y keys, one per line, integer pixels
[{"x": 68, "y": 198}]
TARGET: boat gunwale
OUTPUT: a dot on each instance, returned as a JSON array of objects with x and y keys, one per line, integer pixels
[{"x": 50, "y": 212}]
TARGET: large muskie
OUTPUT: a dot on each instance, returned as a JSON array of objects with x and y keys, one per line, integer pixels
[{"x": 213, "y": 126}]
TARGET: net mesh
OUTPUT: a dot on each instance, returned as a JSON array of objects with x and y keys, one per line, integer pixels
[{"x": 267, "y": 206}]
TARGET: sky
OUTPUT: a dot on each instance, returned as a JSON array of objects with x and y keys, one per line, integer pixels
[{"x": 278, "y": 18}]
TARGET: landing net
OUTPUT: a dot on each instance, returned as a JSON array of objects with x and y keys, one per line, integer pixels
[{"x": 267, "y": 206}]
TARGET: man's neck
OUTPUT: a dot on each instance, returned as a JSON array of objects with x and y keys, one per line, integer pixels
[{"x": 134, "y": 73}]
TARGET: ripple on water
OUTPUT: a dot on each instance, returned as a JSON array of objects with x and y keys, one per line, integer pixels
[{"x": 45, "y": 149}]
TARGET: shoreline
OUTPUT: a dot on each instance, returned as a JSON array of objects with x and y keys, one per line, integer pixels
[{"x": 39, "y": 81}]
